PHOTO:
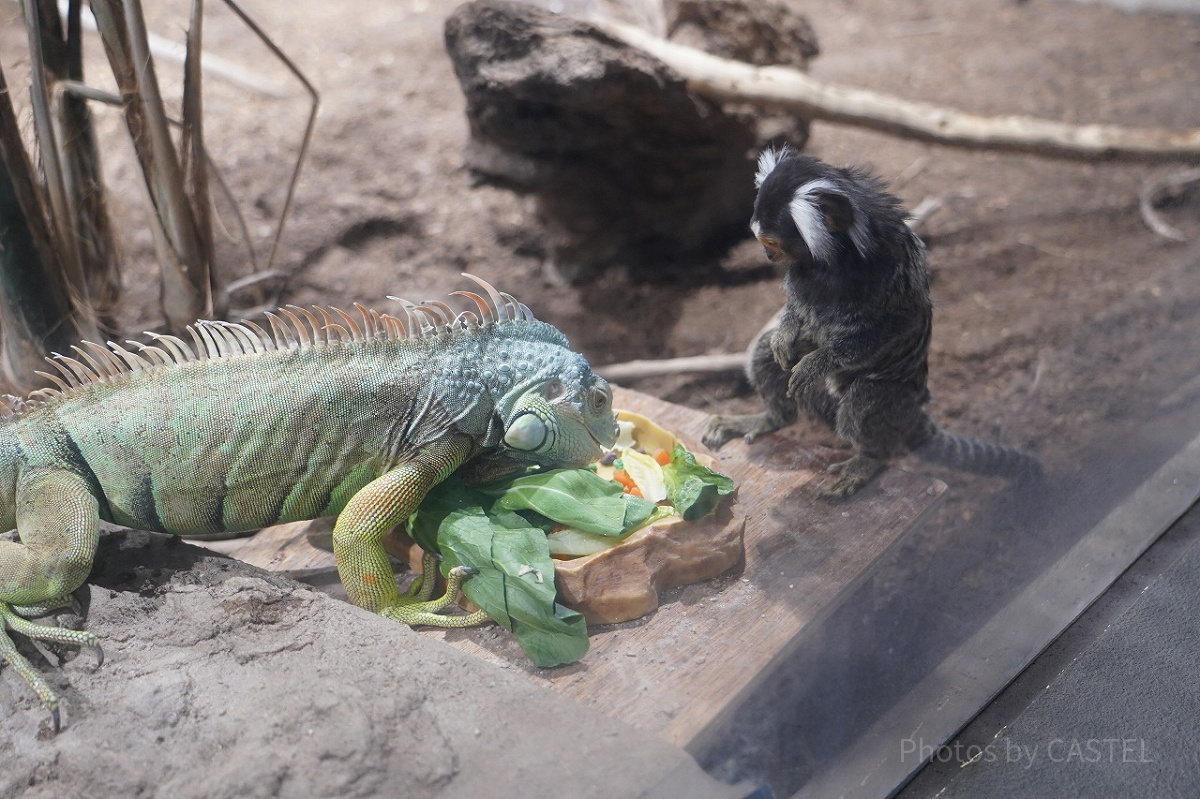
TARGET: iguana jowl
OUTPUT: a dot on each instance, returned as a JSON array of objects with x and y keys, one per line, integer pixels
[{"x": 326, "y": 414}]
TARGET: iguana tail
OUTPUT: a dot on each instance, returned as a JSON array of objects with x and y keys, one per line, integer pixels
[{"x": 977, "y": 457}]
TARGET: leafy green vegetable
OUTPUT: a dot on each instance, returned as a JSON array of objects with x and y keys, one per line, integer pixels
[
  {"x": 572, "y": 543},
  {"x": 500, "y": 529},
  {"x": 515, "y": 586},
  {"x": 693, "y": 489},
  {"x": 574, "y": 497},
  {"x": 447, "y": 497},
  {"x": 515, "y": 580},
  {"x": 640, "y": 512}
]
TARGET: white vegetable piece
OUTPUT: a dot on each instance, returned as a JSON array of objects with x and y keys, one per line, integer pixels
[{"x": 646, "y": 472}]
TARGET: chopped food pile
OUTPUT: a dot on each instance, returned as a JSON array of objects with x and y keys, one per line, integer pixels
[{"x": 511, "y": 530}]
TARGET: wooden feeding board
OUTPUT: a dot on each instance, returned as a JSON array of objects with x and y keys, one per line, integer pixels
[{"x": 680, "y": 671}]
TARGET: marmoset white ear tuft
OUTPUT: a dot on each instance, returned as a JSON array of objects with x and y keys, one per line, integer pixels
[
  {"x": 767, "y": 161},
  {"x": 810, "y": 221}
]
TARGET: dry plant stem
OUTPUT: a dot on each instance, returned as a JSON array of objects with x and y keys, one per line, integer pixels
[
  {"x": 45, "y": 284},
  {"x": 782, "y": 87},
  {"x": 185, "y": 283},
  {"x": 1155, "y": 191},
  {"x": 32, "y": 294},
  {"x": 195, "y": 166},
  {"x": 167, "y": 51},
  {"x": 99, "y": 264},
  {"x": 60, "y": 207},
  {"x": 721, "y": 362},
  {"x": 214, "y": 172},
  {"x": 26, "y": 188}
]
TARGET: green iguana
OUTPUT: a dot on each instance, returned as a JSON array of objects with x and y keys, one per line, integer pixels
[{"x": 326, "y": 414}]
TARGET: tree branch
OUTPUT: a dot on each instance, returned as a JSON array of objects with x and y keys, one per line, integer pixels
[
  {"x": 619, "y": 372},
  {"x": 790, "y": 89}
]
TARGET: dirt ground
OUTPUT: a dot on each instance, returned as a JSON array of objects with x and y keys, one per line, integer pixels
[
  {"x": 1062, "y": 322},
  {"x": 1025, "y": 253}
]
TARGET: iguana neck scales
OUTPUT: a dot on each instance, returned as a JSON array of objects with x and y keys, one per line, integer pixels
[{"x": 326, "y": 414}]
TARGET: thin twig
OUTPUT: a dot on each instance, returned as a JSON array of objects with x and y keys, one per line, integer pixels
[
  {"x": 249, "y": 281},
  {"x": 165, "y": 50},
  {"x": 722, "y": 362},
  {"x": 108, "y": 98},
  {"x": 308, "y": 128},
  {"x": 911, "y": 171}
]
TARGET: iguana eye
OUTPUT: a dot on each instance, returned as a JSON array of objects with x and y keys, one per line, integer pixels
[{"x": 599, "y": 398}]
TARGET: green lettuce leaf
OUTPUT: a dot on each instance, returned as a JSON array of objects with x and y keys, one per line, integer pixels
[
  {"x": 449, "y": 496},
  {"x": 693, "y": 489},
  {"x": 515, "y": 580},
  {"x": 572, "y": 543},
  {"x": 499, "y": 529},
  {"x": 575, "y": 497}
]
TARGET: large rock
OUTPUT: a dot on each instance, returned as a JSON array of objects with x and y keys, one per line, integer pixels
[
  {"x": 626, "y": 164},
  {"x": 759, "y": 32}
]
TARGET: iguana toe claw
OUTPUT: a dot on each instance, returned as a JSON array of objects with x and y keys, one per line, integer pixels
[
  {"x": 429, "y": 613},
  {"x": 11, "y": 620}
]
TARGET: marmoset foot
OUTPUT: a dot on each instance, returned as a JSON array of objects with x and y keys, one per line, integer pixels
[
  {"x": 853, "y": 474},
  {"x": 722, "y": 429}
]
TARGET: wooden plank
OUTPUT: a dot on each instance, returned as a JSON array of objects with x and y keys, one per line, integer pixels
[{"x": 681, "y": 670}]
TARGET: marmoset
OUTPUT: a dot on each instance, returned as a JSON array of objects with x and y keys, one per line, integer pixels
[{"x": 851, "y": 344}]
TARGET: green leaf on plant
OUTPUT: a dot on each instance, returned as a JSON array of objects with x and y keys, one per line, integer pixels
[{"x": 572, "y": 543}]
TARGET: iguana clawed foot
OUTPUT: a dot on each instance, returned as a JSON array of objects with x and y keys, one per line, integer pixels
[
  {"x": 10, "y": 619},
  {"x": 413, "y": 610}
]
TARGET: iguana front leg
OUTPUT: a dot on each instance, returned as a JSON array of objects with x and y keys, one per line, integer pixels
[
  {"x": 379, "y": 506},
  {"x": 58, "y": 522}
]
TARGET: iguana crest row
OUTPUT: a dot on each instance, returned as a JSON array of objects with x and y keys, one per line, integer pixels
[
  {"x": 293, "y": 327},
  {"x": 327, "y": 413}
]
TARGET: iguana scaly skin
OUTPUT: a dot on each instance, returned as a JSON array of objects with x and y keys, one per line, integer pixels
[{"x": 327, "y": 414}]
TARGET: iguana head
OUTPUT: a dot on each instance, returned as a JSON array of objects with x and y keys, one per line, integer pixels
[
  {"x": 560, "y": 422},
  {"x": 517, "y": 386}
]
